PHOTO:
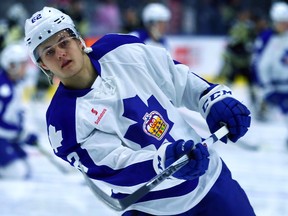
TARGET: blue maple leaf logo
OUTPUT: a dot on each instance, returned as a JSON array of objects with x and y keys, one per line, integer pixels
[{"x": 152, "y": 123}]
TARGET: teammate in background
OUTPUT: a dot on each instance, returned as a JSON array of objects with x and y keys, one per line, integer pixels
[
  {"x": 16, "y": 15},
  {"x": 237, "y": 55},
  {"x": 12, "y": 26},
  {"x": 273, "y": 65},
  {"x": 13, "y": 134},
  {"x": 155, "y": 18},
  {"x": 116, "y": 112},
  {"x": 264, "y": 32}
]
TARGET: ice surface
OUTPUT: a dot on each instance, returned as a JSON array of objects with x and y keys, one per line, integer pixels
[{"x": 262, "y": 173}]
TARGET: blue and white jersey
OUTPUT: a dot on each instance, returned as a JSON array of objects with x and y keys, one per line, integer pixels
[
  {"x": 259, "y": 45},
  {"x": 11, "y": 108},
  {"x": 115, "y": 127},
  {"x": 273, "y": 65}
]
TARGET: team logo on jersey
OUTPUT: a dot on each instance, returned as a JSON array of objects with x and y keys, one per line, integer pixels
[
  {"x": 55, "y": 138},
  {"x": 154, "y": 125},
  {"x": 147, "y": 126}
]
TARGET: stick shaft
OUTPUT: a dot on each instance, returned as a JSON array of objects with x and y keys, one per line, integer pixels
[{"x": 121, "y": 204}]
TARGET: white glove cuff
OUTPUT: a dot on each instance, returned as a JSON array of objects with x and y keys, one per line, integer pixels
[
  {"x": 159, "y": 158},
  {"x": 214, "y": 95}
]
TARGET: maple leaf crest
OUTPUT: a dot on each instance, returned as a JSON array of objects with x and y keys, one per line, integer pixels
[{"x": 55, "y": 138}]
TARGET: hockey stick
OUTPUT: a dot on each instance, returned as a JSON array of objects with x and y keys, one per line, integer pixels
[
  {"x": 241, "y": 143},
  {"x": 121, "y": 204},
  {"x": 50, "y": 157}
]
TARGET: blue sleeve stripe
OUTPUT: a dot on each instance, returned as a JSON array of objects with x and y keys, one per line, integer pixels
[
  {"x": 176, "y": 191},
  {"x": 129, "y": 176},
  {"x": 177, "y": 62}
]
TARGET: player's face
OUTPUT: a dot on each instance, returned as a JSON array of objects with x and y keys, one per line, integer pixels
[
  {"x": 16, "y": 71},
  {"x": 281, "y": 26},
  {"x": 62, "y": 54},
  {"x": 162, "y": 27}
]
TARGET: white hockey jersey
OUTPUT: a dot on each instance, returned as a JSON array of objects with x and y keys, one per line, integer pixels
[
  {"x": 115, "y": 127},
  {"x": 12, "y": 109},
  {"x": 273, "y": 66}
]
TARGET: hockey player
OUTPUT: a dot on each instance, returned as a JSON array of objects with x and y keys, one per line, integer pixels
[
  {"x": 264, "y": 33},
  {"x": 13, "y": 134},
  {"x": 272, "y": 67},
  {"x": 115, "y": 111},
  {"x": 155, "y": 17}
]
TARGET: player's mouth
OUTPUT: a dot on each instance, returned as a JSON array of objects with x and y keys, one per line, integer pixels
[{"x": 65, "y": 63}]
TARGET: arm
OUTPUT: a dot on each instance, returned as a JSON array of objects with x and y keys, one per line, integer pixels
[{"x": 216, "y": 103}]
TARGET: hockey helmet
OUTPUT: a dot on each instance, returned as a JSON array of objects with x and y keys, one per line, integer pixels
[
  {"x": 15, "y": 53},
  {"x": 17, "y": 13},
  {"x": 279, "y": 12},
  {"x": 155, "y": 12},
  {"x": 44, "y": 24}
]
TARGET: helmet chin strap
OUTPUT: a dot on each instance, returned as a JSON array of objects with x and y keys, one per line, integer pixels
[{"x": 86, "y": 49}]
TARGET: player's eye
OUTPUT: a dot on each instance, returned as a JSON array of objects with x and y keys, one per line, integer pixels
[
  {"x": 49, "y": 52},
  {"x": 65, "y": 43}
]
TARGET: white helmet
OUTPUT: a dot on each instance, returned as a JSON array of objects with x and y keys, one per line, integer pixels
[
  {"x": 155, "y": 12},
  {"x": 42, "y": 25},
  {"x": 14, "y": 53},
  {"x": 18, "y": 13},
  {"x": 279, "y": 12}
]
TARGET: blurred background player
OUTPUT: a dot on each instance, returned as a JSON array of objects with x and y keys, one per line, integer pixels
[
  {"x": 12, "y": 26},
  {"x": 273, "y": 65},
  {"x": 237, "y": 55},
  {"x": 16, "y": 15},
  {"x": 155, "y": 18},
  {"x": 13, "y": 133},
  {"x": 264, "y": 31}
]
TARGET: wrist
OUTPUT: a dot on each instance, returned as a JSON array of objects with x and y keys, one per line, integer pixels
[
  {"x": 217, "y": 93},
  {"x": 159, "y": 158}
]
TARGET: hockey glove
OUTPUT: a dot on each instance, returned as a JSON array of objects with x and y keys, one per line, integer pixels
[
  {"x": 31, "y": 139},
  {"x": 219, "y": 107},
  {"x": 170, "y": 152}
]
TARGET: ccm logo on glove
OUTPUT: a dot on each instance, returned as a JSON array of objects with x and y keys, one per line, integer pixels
[
  {"x": 218, "y": 106},
  {"x": 215, "y": 94},
  {"x": 213, "y": 97}
]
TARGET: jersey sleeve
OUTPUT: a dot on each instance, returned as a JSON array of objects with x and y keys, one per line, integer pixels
[{"x": 175, "y": 79}]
